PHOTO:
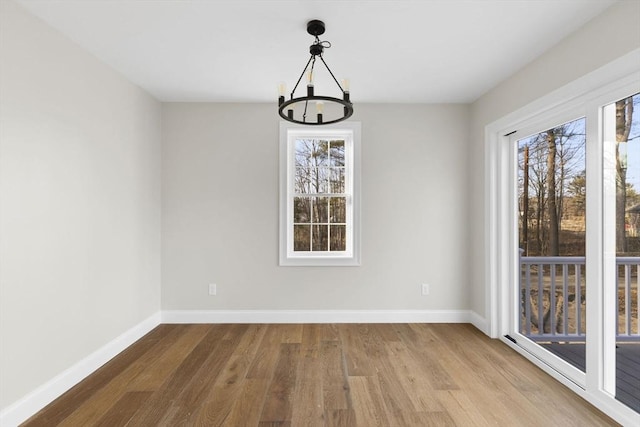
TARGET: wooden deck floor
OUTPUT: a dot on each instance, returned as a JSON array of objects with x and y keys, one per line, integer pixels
[
  {"x": 627, "y": 368},
  {"x": 319, "y": 375}
]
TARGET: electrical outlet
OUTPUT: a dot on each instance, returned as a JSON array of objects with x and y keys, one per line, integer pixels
[
  {"x": 425, "y": 289},
  {"x": 213, "y": 289}
]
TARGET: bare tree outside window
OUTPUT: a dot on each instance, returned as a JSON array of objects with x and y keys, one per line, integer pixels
[
  {"x": 552, "y": 214},
  {"x": 627, "y": 130}
]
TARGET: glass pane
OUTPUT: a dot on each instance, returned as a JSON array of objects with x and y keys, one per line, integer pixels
[
  {"x": 336, "y": 181},
  {"x": 302, "y": 153},
  {"x": 625, "y": 166},
  {"x": 320, "y": 208},
  {"x": 301, "y": 209},
  {"x": 552, "y": 223},
  {"x": 312, "y": 180},
  {"x": 320, "y": 237},
  {"x": 303, "y": 180},
  {"x": 311, "y": 153},
  {"x": 336, "y": 153},
  {"x": 321, "y": 180},
  {"x": 301, "y": 237},
  {"x": 338, "y": 210},
  {"x": 338, "y": 238}
]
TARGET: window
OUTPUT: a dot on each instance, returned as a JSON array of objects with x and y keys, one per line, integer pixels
[{"x": 319, "y": 195}]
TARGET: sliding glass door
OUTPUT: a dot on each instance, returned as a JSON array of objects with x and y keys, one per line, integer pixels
[
  {"x": 575, "y": 241},
  {"x": 551, "y": 234}
]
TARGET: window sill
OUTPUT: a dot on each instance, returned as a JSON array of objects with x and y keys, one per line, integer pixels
[{"x": 324, "y": 261}]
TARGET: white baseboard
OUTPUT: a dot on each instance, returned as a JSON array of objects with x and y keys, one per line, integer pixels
[
  {"x": 479, "y": 322},
  {"x": 317, "y": 316},
  {"x": 29, "y": 405}
]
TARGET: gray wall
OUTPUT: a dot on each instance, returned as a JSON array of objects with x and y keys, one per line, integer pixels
[
  {"x": 220, "y": 212},
  {"x": 607, "y": 37},
  {"x": 80, "y": 204}
]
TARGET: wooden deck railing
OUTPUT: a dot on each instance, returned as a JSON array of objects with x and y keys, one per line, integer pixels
[{"x": 553, "y": 298}]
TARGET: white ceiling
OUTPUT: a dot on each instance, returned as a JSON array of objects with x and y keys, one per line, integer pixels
[{"x": 428, "y": 51}]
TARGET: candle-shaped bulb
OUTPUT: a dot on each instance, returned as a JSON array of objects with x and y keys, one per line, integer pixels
[
  {"x": 320, "y": 110},
  {"x": 346, "y": 85},
  {"x": 282, "y": 89},
  {"x": 310, "y": 78}
]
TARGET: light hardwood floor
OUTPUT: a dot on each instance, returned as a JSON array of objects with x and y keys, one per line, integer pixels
[{"x": 319, "y": 375}]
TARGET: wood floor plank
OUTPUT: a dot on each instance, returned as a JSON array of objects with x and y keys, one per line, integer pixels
[
  {"x": 386, "y": 332},
  {"x": 278, "y": 406},
  {"x": 319, "y": 375},
  {"x": 330, "y": 332},
  {"x": 218, "y": 404},
  {"x": 357, "y": 359},
  {"x": 395, "y": 394},
  {"x": 335, "y": 385},
  {"x": 311, "y": 338},
  {"x": 340, "y": 418},
  {"x": 247, "y": 408},
  {"x": 122, "y": 411},
  {"x": 431, "y": 353},
  {"x": 532, "y": 384},
  {"x": 291, "y": 333},
  {"x": 479, "y": 376},
  {"x": 461, "y": 408},
  {"x": 252, "y": 336},
  {"x": 191, "y": 399},
  {"x": 142, "y": 370},
  {"x": 307, "y": 401},
  {"x": 53, "y": 415},
  {"x": 483, "y": 380},
  {"x": 367, "y": 402},
  {"x": 371, "y": 342},
  {"x": 409, "y": 372},
  {"x": 163, "y": 400},
  {"x": 431, "y": 419},
  {"x": 157, "y": 371},
  {"x": 267, "y": 354}
]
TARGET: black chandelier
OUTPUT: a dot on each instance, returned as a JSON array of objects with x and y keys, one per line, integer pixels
[{"x": 345, "y": 107}]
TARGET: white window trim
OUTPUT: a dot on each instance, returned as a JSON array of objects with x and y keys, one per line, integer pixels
[
  {"x": 591, "y": 91},
  {"x": 351, "y": 257}
]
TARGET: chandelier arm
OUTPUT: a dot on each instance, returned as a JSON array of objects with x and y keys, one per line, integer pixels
[
  {"x": 330, "y": 72},
  {"x": 304, "y": 114},
  {"x": 301, "y": 75}
]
